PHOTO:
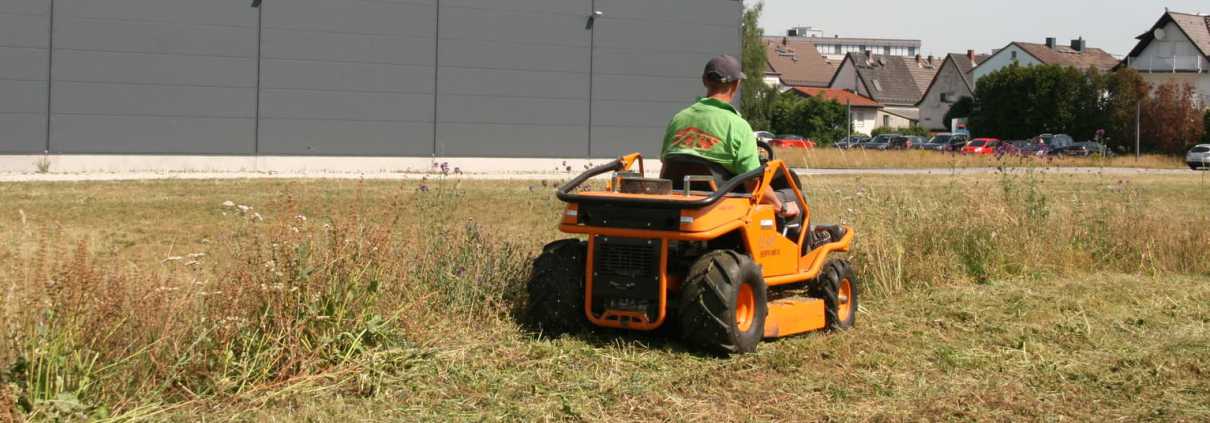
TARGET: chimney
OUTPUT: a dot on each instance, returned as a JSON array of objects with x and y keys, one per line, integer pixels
[
  {"x": 930, "y": 60},
  {"x": 1079, "y": 45},
  {"x": 783, "y": 41},
  {"x": 918, "y": 59},
  {"x": 970, "y": 55},
  {"x": 1051, "y": 42}
]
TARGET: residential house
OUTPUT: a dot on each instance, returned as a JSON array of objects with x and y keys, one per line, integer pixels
[
  {"x": 836, "y": 47},
  {"x": 1077, "y": 55},
  {"x": 1175, "y": 49},
  {"x": 795, "y": 62},
  {"x": 863, "y": 111},
  {"x": 897, "y": 83},
  {"x": 952, "y": 83}
]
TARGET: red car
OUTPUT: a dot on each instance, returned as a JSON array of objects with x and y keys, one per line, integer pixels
[
  {"x": 791, "y": 141},
  {"x": 982, "y": 146}
]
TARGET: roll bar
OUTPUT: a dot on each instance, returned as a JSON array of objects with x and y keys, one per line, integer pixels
[{"x": 567, "y": 192}]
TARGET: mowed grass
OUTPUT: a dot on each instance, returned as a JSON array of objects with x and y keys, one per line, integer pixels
[
  {"x": 832, "y": 158},
  {"x": 998, "y": 297}
]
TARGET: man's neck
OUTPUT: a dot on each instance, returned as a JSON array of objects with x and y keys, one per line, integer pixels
[{"x": 723, "y": 97}]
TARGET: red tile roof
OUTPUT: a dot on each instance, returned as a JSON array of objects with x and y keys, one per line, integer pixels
[{"x": 839, "y": 95}]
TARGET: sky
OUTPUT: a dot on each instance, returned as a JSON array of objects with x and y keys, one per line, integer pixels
[{"x": 952, "y": 26}]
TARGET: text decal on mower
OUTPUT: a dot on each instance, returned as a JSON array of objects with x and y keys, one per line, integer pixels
[{"x": 696, "y": 139}]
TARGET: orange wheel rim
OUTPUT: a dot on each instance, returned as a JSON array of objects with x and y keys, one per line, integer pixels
[
  {"x": 745, "y": 307},
  {"x": 844, "y": 299}
]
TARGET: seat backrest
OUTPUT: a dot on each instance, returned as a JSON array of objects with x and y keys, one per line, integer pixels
[{"x": 677, "y": 166}]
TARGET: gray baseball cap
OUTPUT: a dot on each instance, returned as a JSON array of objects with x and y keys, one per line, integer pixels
[{"x": 724, "y": 69}]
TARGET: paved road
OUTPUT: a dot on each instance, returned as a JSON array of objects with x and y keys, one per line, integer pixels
[
  {"x": 992, "y": 170},
  {"x": 140, "y": 176}
]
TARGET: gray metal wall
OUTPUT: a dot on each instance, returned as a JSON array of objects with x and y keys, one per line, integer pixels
[
  {"x": 24, "y": 64},
  {"x": 507, "y": 78}
]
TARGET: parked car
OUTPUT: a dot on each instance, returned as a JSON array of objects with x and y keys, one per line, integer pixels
[
  {"x": 881, "y": 142},
  {"x": 851, "y": 142},
  {"x": 937, "y": 143},
  {"x": 792, "y": 141},
  {"x": 1198, "y": 157},
  {"x": 956, "y": 142},
  {"x": 1047, "y": 144},
  {"x": 1083, "y": 149},
  {"x": 765, "y": 136},
  {"x": 981, "y": 146},
  {"x": 914, "y": 141}
]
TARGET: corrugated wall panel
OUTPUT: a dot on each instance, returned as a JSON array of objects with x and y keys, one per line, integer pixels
[
  {"x": 513, "y": 78},
  {"x": 154, "y": 76},
  {"x": 647, "y": 65},
  {"x": 348, "y": 77},
  {"x": 24, "y": 42}
]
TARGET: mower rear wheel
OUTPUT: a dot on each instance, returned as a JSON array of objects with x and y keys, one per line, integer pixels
[
  {"x": 724, "y": 303},
  {"x": 837, "y": 286},
  {"x": 556, "y": 289}
]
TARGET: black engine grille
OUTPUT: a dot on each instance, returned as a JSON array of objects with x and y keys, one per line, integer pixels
[
  {"x": 626, "y": 268},
  {"x": 617, "y": 258}
]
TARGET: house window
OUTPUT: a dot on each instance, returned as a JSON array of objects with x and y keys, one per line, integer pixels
[
  {"x": 886, "y": 51},
  {"x": 1014, "y": 55},
  {"x": 886, "y": 120},
  {"x": 838, "y": 49},
  {"x": 947, "y": 98}
]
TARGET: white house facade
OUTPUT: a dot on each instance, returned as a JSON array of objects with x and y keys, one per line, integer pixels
[{"x": 1175, "y": 50}]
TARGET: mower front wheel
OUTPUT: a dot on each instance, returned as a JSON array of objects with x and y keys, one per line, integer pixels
[
  {"x": 724, "y": 303},
  {"x": 837, "y": 286},
  {"x": 556, "y": 289}
]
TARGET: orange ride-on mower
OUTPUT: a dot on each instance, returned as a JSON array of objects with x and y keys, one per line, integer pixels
[{"x": 695, "y": 251}]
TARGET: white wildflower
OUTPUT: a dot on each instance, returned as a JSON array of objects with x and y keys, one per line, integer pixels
[{"x": 228, "y": 203}]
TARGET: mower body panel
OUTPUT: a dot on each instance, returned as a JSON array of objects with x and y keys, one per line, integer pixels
[{"x": 630, "y": 275}]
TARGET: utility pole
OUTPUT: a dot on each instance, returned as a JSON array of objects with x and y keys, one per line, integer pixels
[
  {"x": 848, "y": 125},
  {"x": 1138, "y": 131}
]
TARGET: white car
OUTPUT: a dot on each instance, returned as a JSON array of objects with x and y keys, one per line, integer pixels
[{"x": 1199, "y": 157}]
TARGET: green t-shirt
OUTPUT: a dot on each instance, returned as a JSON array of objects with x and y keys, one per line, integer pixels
[{"x": 713, "y": 130}]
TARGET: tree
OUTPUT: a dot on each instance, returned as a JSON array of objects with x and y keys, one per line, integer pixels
[
  {"x": 1171, "y": 121},
  {"x": 1125, "y": 89},
  {"x": 756, "y": 98},
  {"x": 959, "y": 110},
  {"x": 1206, "y": 128},
  {"x": 818, "y": 119},
  {"x": 1019, "y": 102}
]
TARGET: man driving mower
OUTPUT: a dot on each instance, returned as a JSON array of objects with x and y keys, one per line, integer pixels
[{"x": 713, "y": 130}]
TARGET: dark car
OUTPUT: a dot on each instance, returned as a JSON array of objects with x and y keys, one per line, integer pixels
[
  {"x": 914, "y": 141},
  {"x": 937, "y": 143},
  {"x": 1083, "y": 149},
  {"x": 850, "y": 142},
  {"x": 881, "y": 142},
  {"x": 956, "y": 142},
  {"x": 1047, "y": 144}
]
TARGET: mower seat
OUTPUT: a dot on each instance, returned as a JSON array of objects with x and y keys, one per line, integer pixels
[{"x": 678, "y": 166}]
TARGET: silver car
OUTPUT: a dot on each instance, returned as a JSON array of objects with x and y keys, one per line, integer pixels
[{"x": 1199, "y": 157}]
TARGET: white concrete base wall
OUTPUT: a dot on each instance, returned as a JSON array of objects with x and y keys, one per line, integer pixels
[{"x": 296, "y": 165}]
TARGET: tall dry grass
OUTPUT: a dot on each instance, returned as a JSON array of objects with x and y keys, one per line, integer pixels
[
  {"x": 1022, "y": 224},
  {"x": 281, "y": 302},
  {"x": 832, "y": 158}
]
